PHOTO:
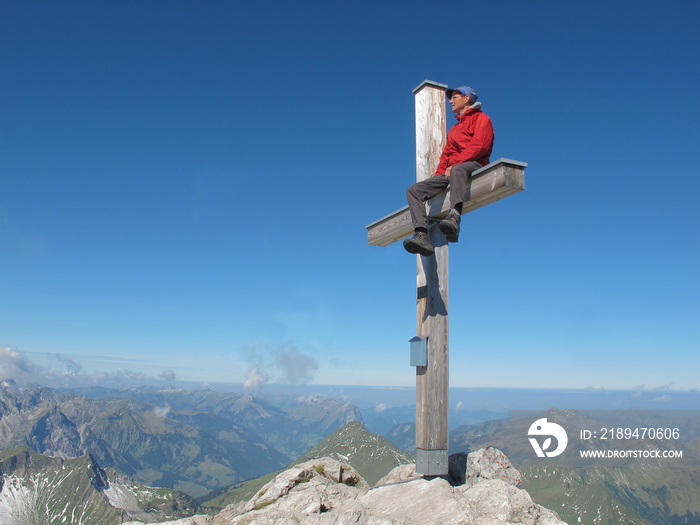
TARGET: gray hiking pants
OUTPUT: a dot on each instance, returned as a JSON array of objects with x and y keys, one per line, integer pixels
[{"x": 418, "y": 193}]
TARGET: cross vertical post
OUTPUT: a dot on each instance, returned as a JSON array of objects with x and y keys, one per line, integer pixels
[
  {"x": 487, "y": 185},
  {"x": 432, "y": 380}
]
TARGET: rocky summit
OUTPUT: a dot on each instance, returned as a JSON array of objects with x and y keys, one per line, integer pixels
[{"x": 482, "y": 489}]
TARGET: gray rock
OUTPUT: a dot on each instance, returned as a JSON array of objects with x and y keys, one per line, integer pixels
[
  {"x": 399, "y": 475},
  {"x": 329, "y": 492},
  {"x": 497, "y": 502},
  {"x": 490, "y": 463},
  {"x": 418, "y": 502},
  {"x": 314, "y": 487}
]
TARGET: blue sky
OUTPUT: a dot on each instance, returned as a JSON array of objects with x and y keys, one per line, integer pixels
[{"x": 184, "y": 190}]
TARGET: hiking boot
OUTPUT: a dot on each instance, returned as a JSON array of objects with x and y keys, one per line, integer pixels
[
  {"x": 450, "y": 226},
  {"x": 419, "y": 243}
]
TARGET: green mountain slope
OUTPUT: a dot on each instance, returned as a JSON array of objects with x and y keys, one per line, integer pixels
[
  {"x": 40, "y": 490},
  {"x": 371, "y": 455},
  {"x": 578, "y": 495},
  {"x": 647, "y": 491}
]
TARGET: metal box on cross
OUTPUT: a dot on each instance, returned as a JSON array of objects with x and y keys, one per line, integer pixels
[{"x": 419, "y": 351}]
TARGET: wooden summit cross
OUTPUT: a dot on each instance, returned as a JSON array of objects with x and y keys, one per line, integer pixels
[{"x": 489, "y": 184}]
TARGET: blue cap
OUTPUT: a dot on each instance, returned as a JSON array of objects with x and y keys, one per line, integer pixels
[{"x": 464, "y": 90}]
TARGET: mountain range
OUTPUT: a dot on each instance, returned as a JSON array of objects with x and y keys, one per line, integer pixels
[
  {"x": 219, "y": 447},
  {"x": 194, "y": 442}
]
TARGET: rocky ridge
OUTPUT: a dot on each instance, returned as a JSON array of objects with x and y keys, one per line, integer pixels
[
  {"x": 40, "y": 490},
  {"x": 482, "y": 489}
]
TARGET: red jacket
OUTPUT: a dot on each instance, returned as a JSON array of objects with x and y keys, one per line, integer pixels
[{"x": 470, "y": 139}]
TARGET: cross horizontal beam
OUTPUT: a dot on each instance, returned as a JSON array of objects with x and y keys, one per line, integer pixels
[{"x": 491, "y": 183}]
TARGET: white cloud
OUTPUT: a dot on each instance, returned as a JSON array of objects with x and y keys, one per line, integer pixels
[
  {"x": 283, "y": 363},
  {"x": 161, "y": 412},
  {"x": 254, "y": 379},
  {"x": 58, "y": 370},
  {"x": 13, "y": 365},
  {"x": 662, "y": 398}
]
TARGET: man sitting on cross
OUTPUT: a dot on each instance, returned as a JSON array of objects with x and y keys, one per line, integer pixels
[{"x": 468, "y": 148}]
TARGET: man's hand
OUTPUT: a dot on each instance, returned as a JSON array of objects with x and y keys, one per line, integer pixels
[{"x": 447, "y": 172}]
